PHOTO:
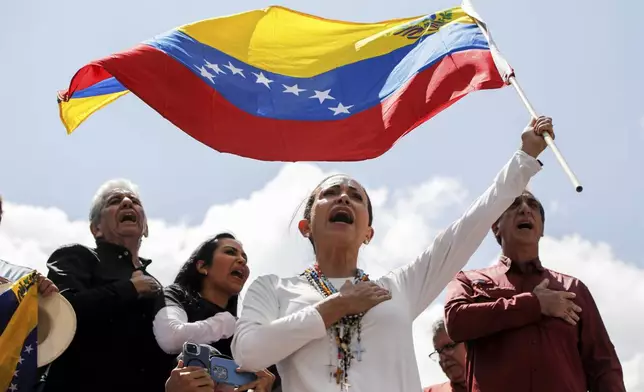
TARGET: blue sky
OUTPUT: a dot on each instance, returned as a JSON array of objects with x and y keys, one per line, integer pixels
[{"x": 579, "y": 62}]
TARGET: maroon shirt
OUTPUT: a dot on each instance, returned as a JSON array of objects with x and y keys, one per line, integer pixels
[
  {"x": 444, "y": 387},
  {"x": 512, "y": 347}
]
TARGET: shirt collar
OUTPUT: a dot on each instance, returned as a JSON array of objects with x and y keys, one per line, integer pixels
[
  {"x": 457, "y": 387},
  {"x": 118, "y": 251},
  {"x": 523, "y": 268}
]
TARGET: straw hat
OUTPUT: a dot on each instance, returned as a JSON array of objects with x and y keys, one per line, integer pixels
[{"x": 56, "y": 326}]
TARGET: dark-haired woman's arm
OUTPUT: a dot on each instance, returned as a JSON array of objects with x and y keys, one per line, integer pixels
[
  {"x": 172, "y": 329},
  {"x": 263, "y": 337},
  {"x": 422, "y": 280}
]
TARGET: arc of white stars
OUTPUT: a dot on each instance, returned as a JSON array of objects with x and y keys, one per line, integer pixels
[
  {"x": 322, "y": 95},
  {"x": 20, "y": 360},
  {"x": 341, "y": 109},
  {"x": 261, "y": 79},
  {"x": 214, "y": 67},
  {"x": 293, "y": 89},
  {"x": 28, "y": 349},
  {"x": 204, "y": 72},
  {"x": 235, "y": 70},
  {"x": 15, "y": 373},
  {"x": 13, "y": 388}
]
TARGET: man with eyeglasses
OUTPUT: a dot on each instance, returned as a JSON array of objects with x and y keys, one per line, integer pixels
[{"x": 451, "y": 358}]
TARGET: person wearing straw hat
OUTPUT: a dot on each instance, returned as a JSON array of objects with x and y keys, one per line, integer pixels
[
  {"x": 114, "y": 298},
  {"x": 10, "y": 272},
  {"x": 56, "y": 318}
]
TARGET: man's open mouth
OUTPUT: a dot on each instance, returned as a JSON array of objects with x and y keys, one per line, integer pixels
[{"x": 128, "y": 217}]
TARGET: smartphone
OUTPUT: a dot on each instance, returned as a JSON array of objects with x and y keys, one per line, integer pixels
[
  {"x": 224, "y": 371},
  {"x": 196, "y": 355}
]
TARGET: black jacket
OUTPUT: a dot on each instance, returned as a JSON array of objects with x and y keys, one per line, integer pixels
[{"x": 114, "y": 348}]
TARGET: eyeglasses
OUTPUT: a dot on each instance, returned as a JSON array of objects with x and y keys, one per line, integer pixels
[{"x": 446, "y": 349}]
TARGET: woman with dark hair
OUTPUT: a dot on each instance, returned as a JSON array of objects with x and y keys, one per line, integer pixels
[
  {"x": 201, "y": 305},
  {"x": 331, "y": 327}
]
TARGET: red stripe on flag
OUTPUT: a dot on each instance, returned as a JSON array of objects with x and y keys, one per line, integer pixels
[
  {"x": 86, "y": 77},
  {"x": 185, "y": 100}
]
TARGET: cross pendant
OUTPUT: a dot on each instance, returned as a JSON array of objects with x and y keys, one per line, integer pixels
[{"x": 358, "y": 351}]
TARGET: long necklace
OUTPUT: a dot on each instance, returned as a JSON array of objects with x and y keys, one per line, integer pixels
[{"x": 342, "y": 331}]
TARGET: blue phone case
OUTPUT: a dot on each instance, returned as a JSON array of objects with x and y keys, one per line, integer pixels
[
  {"x": 196, "y": 355},
  {"x": 223, "y": 371}
]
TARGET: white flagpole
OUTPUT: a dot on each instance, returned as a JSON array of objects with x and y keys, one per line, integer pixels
[
  {"x": 549, "y": 141},
  {"x": 508, "y": 74}
]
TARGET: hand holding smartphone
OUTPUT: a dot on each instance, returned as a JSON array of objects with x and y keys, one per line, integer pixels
[{"x": 222, "y": 369}]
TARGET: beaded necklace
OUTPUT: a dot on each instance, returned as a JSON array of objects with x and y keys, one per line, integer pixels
[{"x": 342, "y": 331}]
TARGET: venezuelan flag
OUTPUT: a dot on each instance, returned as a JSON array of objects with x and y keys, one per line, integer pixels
[
  {"x": 18, "y": 336},
  {"x": 276, "y": 84}
]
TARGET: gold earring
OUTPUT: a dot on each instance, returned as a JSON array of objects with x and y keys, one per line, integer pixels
[{"x": 366, "y": 242}]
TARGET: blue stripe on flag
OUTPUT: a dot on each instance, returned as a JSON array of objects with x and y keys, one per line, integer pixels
[{"x": 24, "y": 377}]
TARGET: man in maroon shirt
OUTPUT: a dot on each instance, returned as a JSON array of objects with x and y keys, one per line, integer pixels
[
  {"x": 526, "y": 327},
  {"x": 451, "y": 358}
]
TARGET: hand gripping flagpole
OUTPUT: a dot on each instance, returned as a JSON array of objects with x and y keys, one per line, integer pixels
[
  {"x": 546, "y": 136},
  {"x": 508, "y": 74}
]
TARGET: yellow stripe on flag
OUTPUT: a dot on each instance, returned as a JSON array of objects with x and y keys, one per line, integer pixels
[
  {"x": 22, "y": 322},
  {"x": 291, "y": 43},
  {"x": 77, "y": 110}
]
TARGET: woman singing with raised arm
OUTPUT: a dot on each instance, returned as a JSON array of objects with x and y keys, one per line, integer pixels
[{"x": 331, "y": 327}]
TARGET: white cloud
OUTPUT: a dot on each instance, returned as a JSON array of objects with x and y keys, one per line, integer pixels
[{"x": 404, "y": 221}]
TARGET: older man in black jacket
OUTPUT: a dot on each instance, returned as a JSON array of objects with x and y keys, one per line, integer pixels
[{"x": 114, "y": 348}]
